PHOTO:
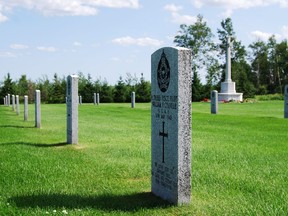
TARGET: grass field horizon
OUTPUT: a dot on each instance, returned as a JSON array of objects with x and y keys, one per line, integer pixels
[{"x": 239, "y": 161}]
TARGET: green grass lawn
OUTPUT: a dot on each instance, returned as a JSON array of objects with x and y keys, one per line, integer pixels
[{"x": 239, "y": 162}]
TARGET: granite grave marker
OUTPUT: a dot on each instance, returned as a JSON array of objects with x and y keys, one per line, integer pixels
[
  {"x": 286, "y": 101},
  {"x": 72, "y": 109},
  {"x": 214, "y": 102},
  {"x": 13, "y": 102},
  {"x": 133, "y": 100},
  {"x": 25, "y": 108},
  {"x": 37, "y": 108},
  {"x": 17, "y": 105},
  {"x": 171, "y": 124},
  {"x": 8, "y": 100}
]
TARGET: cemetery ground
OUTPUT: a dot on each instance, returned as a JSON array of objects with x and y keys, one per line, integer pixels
[{"x": 239, "y": 162}]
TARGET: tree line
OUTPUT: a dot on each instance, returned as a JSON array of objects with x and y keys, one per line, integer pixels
[
  {"x": 55, "y": 91},
  {"x": 260, "y": 69}
]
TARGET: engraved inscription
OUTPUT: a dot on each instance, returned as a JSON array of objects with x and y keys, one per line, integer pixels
[
  {"x": 163, "y": 73},
  {"x": 163, "y": 134}
]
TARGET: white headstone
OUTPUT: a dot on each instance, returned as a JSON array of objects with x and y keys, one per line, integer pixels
[
  {"x": 98, "y": 99},
  {"x": 133, "y": 100},
  {"x": 95, "y": 98},
  {"x": 37, "y": 108},
  {"x": 214, "y": 102},
  {"x": 25, "y": 108},
  {"x": 4, "y": 101},
  {"x": 80, "y": 100},
  {"x": 171, "y": 124},
  {"x": 8, "y": 99},
  {"x": 17, "y": 105},
  {"x": 13, "y": 102},
  {"x": 286, "y": 101},
  {"x": 72, "y": 109}
]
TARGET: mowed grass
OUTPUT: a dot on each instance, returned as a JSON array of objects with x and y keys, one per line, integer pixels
[{"x": 239, "y": 162}]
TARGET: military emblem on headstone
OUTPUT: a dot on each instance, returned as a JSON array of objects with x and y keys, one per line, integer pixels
[{"x": 163, "y": 73}]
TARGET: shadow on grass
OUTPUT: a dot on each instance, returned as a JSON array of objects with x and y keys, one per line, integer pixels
[
  {"x": 133, "y": 202},
  {"x": 15, "y": 126},
  {"x": 36, "y": 144}
]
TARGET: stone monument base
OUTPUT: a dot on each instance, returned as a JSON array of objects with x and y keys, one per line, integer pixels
[{"x": 230, "y": 96}]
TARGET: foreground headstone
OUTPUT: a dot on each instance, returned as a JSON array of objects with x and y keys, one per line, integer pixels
[
  {"x": 133, "y": 100},
  {"x": 72, "y": 109},
  {"x": 214, "y": 102},
  {"x": 37, "y": 108},
  {"x": 25, "y": 108},
  {"x": 286, "y": 101},
  {"x": 13, "y": 102},
  {"x": 171, "y": 124},
  {"x": 17, "y": 105}
]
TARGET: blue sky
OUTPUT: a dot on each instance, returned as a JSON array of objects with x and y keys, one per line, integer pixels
[{"x": 110, "y": 38}]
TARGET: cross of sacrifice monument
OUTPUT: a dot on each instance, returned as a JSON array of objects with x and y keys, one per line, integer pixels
[{"x": 228, "y": 91}]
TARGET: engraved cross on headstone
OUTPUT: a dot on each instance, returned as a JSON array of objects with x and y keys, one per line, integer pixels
[{"x": 163, "y": 134}]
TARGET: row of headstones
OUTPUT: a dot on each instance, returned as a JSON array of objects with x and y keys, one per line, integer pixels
[
  {"x": 97, "y": 99},
  {"x": 16, "y": 106},
  {"x": 214, "y": 102},
  {"x": 170, "y": 122}
]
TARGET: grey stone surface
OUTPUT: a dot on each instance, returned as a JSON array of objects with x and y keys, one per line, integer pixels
[
  {"x": 80, "y": 100},
  {"x": 38, "y": 109},
  {"x": 133, "y": 100},
  {"x": 95, "y": 98},
  {"x": 17, "y": 105},
  {"x": 98, "y": 99},
  {"x": 72, "y": 109},
  {"x": 13, "y": 102},
  {"x": 214, "y": 102},
  {"x": 4, "y": 101},
  {"x": 25, "y": 108},
  {"x": 286, "y": 101},
  {"x": 171, "y": 124},
  {"x": 8, "y": 99}
]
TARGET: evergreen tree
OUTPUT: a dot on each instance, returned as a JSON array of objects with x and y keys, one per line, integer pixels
[
  {"x": 120, "y": 91},
  {"x": 143, "y": 90}
]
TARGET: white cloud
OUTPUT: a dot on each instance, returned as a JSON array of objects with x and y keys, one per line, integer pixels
[
  {"x": 7, "y": 55},
  {"x": 64, "y": 7},
  {"x": 18, "y": 46},
  {"x": 230, "y": 5},
  {"x": 3, "y": 18},
  {"x": 177, "y": 17},
  {"x": 116, "y": 59},
  {"x": 137, "y": 41},
  {"x": 172, "y": 8},
  {"x": 264, "y": 36},
  {"x": 47, "y": 49},
  {"x": 77, "y": 44}
]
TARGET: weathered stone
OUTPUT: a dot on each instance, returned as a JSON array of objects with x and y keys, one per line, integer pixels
[
  {"x": 171, "y": 124},
  {"x": 214, "y": 102},
  {"x": 72, "y": 109},
  {"x": 25, "y": 108},
  {"x": 38, "y": 109}
]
